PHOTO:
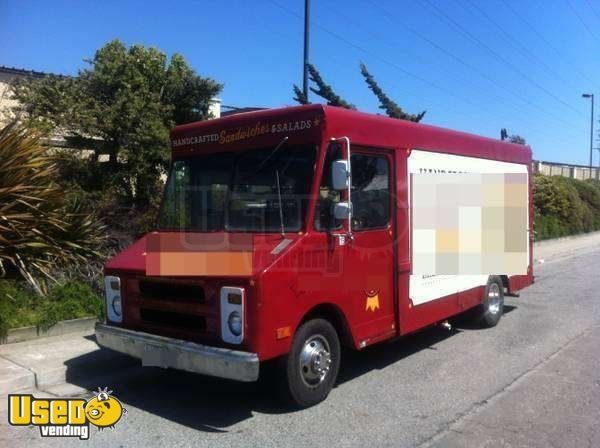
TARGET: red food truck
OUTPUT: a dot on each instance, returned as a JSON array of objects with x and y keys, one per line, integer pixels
[{"x": 284, "y": 234}]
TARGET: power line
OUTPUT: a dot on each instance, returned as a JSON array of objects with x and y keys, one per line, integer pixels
[
  {"x": 501, "y": 58},
  {"x": 590, "y": 4},
  {"x": 381, "y": 59},
  {"x": 389, "y": 63},
  {"x": 541, "y": 133},
  {"x": 515, "y": 42},
  {"x": 588, "y": 29},
  {"x": 543, "y": 39},
  {"x": 467, "y": 64}
]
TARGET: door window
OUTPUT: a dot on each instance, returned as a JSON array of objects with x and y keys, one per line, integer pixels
[
  {"x": 328, "y": 197},
  {"x": 370, "y": 191}
]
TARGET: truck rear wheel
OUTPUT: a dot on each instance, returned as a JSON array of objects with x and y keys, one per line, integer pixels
[
  {"x": 493, "y": 302},
  {"x": 312, "y": 365}
]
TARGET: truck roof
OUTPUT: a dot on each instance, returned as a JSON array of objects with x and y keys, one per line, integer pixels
[{"x": 314, "y": 121}]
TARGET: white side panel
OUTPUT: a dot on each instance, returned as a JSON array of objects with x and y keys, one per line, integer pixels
[{"x": 425, "y": 288}]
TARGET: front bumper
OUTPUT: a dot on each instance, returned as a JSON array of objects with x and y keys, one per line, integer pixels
[{"x": 183, "y": 355}]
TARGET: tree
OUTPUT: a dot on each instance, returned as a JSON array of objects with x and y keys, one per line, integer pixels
[
  {"x": 326, "y": 91},
  {"x": 391, "y": 108},
  {"x": 300, "y": 97},
  {"x": 122, "y": 106}
]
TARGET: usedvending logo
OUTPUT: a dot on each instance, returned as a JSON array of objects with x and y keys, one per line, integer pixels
[{"x": 65, "y": 417}]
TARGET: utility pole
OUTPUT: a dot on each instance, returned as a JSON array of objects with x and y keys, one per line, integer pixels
[
  {"x": 306, "y": 35},
  {"x": 591, "y": 95}
]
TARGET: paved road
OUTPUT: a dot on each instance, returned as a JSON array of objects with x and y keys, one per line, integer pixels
[{"x": 534, "y": 380}]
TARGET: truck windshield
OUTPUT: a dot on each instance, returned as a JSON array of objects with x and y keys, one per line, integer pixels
[{"x": 239, "y": 191}]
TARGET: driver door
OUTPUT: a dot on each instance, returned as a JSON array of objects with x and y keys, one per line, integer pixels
[{"x": 369, "y": 258}]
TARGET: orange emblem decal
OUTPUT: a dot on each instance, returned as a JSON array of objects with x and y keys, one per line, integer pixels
[{"x": 372, "y": 300}]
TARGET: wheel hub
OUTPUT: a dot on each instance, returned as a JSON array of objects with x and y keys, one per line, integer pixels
[
  {"x": 315, "y": 360},
  {"x": 494, "y": 298}
]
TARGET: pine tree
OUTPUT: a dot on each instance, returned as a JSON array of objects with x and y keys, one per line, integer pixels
[
  {"x": 300, "y": 97},
  {"x": 391, "y": 108},
  {"x": 325, "y": 91}
]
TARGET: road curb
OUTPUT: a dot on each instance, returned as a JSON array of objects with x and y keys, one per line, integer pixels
[
  {"x": 24, "y": 334},
  {"x": 567, "y": 238},
  {"x": 14, "y": 378}
]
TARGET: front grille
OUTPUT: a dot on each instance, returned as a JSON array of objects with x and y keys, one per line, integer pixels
[
  {"x": 171, "y": 290},
  {"x": 173, "y": 319}
]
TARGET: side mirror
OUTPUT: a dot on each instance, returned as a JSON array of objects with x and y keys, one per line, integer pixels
[
  {"x": 341, "y": 210},
  {"x": 340, "y": 174}
]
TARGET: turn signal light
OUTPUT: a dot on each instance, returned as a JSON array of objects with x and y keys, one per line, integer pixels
[{"x": 284, "y": 332}]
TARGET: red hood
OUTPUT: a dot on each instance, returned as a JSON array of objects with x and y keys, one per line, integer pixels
[{"x": 201, "y": 254}]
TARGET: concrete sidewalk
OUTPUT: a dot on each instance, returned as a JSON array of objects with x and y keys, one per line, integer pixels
[
  {"x": 560, "y": 248},
  {"x": 47, "y": 364}
]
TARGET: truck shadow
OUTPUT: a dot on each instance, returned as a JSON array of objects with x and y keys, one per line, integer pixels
[
  {"x": 466, "y": 321},
  {"x": 213, "y": 404}
]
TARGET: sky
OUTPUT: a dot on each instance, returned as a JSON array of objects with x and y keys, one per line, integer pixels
[{"x": 473, "y": 65}]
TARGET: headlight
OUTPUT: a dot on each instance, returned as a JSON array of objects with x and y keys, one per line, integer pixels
[
  {"x": 235, "y": 323},
  {"x": 114, "y": 307}
]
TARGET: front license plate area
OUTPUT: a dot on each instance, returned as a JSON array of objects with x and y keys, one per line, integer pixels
[{"x": 153, "y": 356}]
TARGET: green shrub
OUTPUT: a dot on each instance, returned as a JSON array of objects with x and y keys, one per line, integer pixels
[
  {"x": 17, "y": 306},
  {"x": 565, "y": 206},
  {"x": 589, "y": 192},
  {"x": 21, "y": 307},
  {"x": 69, "y": 301},
  {"x": 549, "y": 227}
]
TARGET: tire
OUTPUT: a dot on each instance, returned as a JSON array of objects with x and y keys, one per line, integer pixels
[
  {"x": 493, "y": 302},
  {"x": 311, "y": 368}
]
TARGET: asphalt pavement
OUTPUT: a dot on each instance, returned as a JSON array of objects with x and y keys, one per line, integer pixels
[{"x": 534, "y": 380}]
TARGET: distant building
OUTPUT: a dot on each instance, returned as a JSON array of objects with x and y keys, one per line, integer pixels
[
  {"x": 233, "y": 110},
  {"x": 214, "y": 108},
  {"x": 566, "y": 170},
  {"x": 8, "y": 75}
]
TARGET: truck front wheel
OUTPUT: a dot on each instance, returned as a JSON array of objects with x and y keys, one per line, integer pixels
[{"x": 312, "y": 365}]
